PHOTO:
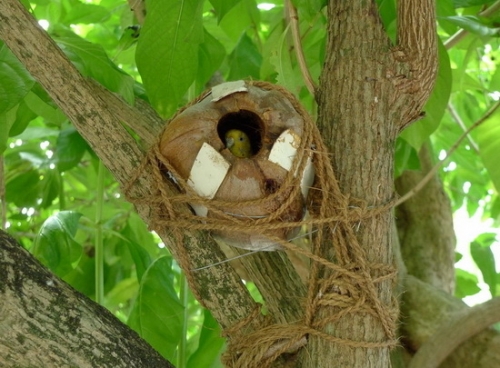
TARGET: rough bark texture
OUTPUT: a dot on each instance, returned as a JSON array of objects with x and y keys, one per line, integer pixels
[
  {"x": 368, "y": 93},
  {"x": 425, "y": 227},
  {"x": 426, "y": 309},
  {"x": 46, "y": 323},
  {"x": 97, "y": 114}
]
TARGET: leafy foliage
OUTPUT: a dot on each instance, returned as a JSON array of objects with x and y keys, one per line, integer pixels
[{"x": 183, "y": 47}]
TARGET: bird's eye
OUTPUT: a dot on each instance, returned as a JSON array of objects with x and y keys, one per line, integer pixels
[{"x": 241, "y": 139}]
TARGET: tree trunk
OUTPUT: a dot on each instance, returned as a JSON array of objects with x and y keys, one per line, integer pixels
[
  {"x": 368, "y": 94},
  {"x": 44, "y": 322}
]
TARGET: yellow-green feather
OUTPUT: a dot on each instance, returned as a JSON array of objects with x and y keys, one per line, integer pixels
[{"x": 238, "y": 143}]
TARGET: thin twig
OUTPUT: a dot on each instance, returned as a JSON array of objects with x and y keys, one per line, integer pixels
[
  {"x": 299, "y": 51},
  {"x": 139, "y": 9},
  {"x": 454, "y": 114},
  {"x": 460, "y": 35},
  {"x": 436, "y": 167}
]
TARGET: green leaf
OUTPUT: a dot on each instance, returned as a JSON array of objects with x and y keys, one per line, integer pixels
[
  {"x": 281, "y": 59},
  {"x": 55, "y": 245},
  {"x": 92, "y": 61},
  {"x": 44, "y": 109},
  {"x": 474, "y": 25},
  {"x": 86, "y": 14},
  {"x": 310, "y": 8},
  {"x": 406, "y": 157},
  {"x": 129, "y": 37},
  {"x": 222, "y": 7},
  {"x": 483, "y": 256},
  {"x": 49, "y": 188},
  {"x": 36, "y": 132},
  {"x": 245, "y": 60},
  {"x": 122, "y": 292},
  {"x": 141, "y": 258},
  {"x": 7, "y": 120},
  {"x": 435, "y": 107},
  {"x": 466, "y": 283},
  {"x": 70, "y": 148},
  {"x": 28, "y": 195},
  {"x": 487, "y": 136},
  {"x": 470, "y": 3},
  {"x": 157, "y": 311},
  {"x": 241, "y": 17},
  {"x": 24, "y": 116},
  {"x": 167, "y": 51},
  {"x": 210, "y": 344},
  {"x": 210, "y": 55},
  {"x": 445, "y": 8},
  {"x": 15, "y": 81}
]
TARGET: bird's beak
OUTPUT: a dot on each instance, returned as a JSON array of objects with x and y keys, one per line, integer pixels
[{"x": 229, "y": 142}]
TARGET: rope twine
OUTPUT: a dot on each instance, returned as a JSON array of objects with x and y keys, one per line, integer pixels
[{"x": 346, "y": 286}]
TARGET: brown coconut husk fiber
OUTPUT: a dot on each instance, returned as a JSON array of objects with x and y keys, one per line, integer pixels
[{"x": 346, "y": 286}]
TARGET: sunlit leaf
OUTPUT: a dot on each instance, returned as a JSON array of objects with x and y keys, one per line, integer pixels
[
  {"x": 70, "y": 148},
  {"x": 210, "y": 55},
  {"x": 466, "y": 283},
  {"x": 49, "y": 187},
  {"x": 23, "y": 189},
  {"x": 86, "y": 14},
  {"x": 474, "y": 25},
  {"x": 406, "y": 158},
  {"x": 44, "y": 109},
  {"x": 55, "y": 245},
  {"x": 24, "y": 115},
  {"x": 469, "y": 3},
  {"x": 222, "y": 7},
  {"x": 245, "y": 60},
  {"x": 15, "y": 81},
  {"x": 210, "y": 344},
  {"x": 7, "y": 120},
  {"x": 167, "y": 51},
  {"x": 157, "y": 311},
  {"x": 240, "y": 18},
  {"x": 92, "y": 60},
  {"x": 122, "y": 292},
  {"x": 435, "y": 107},
  {"x": 487, "y": 136},
  {"x": 281, "y": 59},
  {"x": 483, "y": 256}
]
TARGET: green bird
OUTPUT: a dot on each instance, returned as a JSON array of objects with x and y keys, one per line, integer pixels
[{"x": 238, "y": 143}]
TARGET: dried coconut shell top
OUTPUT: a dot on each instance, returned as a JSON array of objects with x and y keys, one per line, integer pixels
[{"x": 263, "y": 115}]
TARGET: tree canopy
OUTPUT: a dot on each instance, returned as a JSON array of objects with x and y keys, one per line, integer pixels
[{"x": 62, "y": 204}]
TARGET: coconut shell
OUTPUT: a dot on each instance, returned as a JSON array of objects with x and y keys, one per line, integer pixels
[{"x": 268, "y": 114}]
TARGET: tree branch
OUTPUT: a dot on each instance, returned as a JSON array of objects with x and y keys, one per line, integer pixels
[
  {"x": 417, "y": 55},
  {"x": 96, "y": 113},
  {"x": 86, "y": 334},
  {"x": 299, "y": 51},
  {"x": 437, "y": 319}
]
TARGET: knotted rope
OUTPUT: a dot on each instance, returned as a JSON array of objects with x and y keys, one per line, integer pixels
[{"x": 340, "y": 279}]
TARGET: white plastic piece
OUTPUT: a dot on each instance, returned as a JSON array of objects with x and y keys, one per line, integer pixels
[
  {"x": 225, "y": 89},
  {"x": 285, "y": 149},
  {"x": 283, "y": 153},
  {"x": 207, "y": 174}
]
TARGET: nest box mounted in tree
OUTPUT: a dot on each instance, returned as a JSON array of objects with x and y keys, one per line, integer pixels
[{"x": 195, "y": 143}]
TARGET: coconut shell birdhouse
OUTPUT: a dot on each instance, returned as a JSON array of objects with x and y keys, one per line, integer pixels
[{"x": 236, "y": 149}]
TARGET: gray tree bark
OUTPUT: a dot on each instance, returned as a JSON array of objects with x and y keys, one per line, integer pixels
[{"x": 44, "y": 322}]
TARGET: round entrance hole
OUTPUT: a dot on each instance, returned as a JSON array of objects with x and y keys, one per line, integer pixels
[{"x": 246, "y": 121}]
